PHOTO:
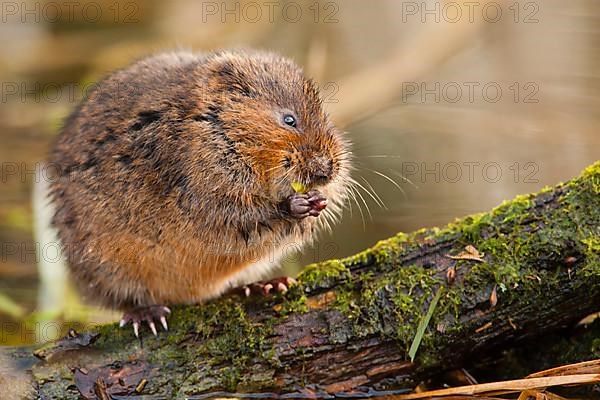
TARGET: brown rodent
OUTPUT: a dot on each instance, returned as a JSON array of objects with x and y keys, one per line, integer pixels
[{"x": 175, "y": 178}]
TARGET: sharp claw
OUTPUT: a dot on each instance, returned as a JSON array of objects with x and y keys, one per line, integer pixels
[
  {"x": 153, "y": 328},
  {"x": 136, "y": 329},
  {"x": 320, "y": 204},
  {"x": 122, "y": 323},
  {"x": 167, "y": 310},
  {"x": 163, "y": 322},
  {"x": 290, "y": 281},
  {"x": 281, "y": 287},
  {"x": 267, "y": 288},
  {"x": 247, "y": 291}
]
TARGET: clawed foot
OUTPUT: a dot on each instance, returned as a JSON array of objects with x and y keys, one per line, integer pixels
[
  {"x": 264, "y": 288},
  {"x": 301, "y": 205},
  {"x": 147, "y": 314}
]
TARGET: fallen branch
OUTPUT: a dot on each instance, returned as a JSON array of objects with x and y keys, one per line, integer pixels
[{"x": 520, "y": 271}]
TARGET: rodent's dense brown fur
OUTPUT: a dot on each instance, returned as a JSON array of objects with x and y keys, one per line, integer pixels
[{"x": 172, "y": 174}]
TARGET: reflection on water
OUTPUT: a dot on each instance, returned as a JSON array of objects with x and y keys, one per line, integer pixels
[{"x": 513, "y": 110}]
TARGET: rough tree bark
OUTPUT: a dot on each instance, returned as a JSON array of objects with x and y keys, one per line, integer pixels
[{"x": 532, "y": 267}]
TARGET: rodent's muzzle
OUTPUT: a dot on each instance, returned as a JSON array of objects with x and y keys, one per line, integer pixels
[{"x": 320, "y": 170}]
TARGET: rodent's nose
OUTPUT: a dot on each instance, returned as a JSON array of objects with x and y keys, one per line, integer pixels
[
  {"x": 322, "y": 169},
  {"x": 320, "y": 178}
]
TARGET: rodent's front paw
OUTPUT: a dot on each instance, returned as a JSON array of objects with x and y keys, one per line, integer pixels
[
  {"x": 317, "y": 201},
  {"x": 301, "y": 205}
]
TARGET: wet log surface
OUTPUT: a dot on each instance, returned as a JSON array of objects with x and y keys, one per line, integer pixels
[{"x": 521, "y": 271}]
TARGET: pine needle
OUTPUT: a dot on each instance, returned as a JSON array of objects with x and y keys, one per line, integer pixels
[{"x": 505, "y": 386}]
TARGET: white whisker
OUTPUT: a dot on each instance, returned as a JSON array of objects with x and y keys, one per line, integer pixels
[
  {"x": 360, "y": 196},
  {"x": 366, "y": 191},
  {"x": 352, "y": 193},
  {"x": 389, "y": 179},
  {"x": 382, "y": 204},
  {"x": 405, "y": 179},
  {"x": 382, "y": 156}
]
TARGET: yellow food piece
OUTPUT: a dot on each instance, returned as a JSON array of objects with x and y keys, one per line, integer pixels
[{"x": 299, "y": 187}]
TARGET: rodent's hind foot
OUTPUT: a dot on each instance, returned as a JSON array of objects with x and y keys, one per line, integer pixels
[
  {"x": 302, "y": 205},
  {"x": 147, "y": 314},
  {"x": 264, "y": 288}
]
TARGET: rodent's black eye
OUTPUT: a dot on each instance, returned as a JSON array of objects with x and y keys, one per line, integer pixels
[{"x": 289, "y": 120}]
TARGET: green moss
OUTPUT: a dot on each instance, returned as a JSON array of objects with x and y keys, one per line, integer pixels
[
  {"x": 363, "y": 258},
  {"x": 213, "y": 331},
  {"x": 381, "y": 253},
  {"x": 592, "y": 253},
  {"x": 526, "y": 241},
  {"x": 592, "y": 175},
  {"x": 391, "y": 305},
  {"x": 223, "y": 342},
  {"x": 472, "y": 226},
  {"x": 514, "y": 210},
  {"x": 593, "y": 246},
  {"x": 582, "y": 205},
  {"x": 323, "y": 274},
  {"x": 294, "y": 303}
]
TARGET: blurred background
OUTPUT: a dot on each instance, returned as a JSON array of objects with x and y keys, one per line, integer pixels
[{"x": 452, "y": 107}]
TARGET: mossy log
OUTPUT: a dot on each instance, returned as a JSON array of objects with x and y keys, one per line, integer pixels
[{"x": 532, "y": 267}]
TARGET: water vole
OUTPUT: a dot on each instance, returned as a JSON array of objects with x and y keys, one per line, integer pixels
[{"x": 175, "y": 178}]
